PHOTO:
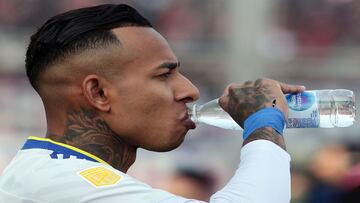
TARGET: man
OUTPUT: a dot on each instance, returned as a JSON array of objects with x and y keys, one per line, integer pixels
[{"x": 110, "y": 84}]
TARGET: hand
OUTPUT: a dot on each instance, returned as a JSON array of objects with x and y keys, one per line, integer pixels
[{"x": 242, "y": 100}]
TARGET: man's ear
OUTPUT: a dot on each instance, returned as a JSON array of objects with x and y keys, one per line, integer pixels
[{"x": 96, "y": 92}]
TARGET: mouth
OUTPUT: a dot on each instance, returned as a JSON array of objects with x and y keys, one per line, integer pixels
[{"x": 187, "y": 122}]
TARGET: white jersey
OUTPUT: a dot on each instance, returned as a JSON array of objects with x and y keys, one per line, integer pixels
[{"x": 48, "y": 171}]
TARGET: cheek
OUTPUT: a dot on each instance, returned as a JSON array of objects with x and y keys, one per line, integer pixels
[
  {"x": 141, "y": 106},
  {"x": 151, "y": 98},
  {"x": 152, "y": 126}
]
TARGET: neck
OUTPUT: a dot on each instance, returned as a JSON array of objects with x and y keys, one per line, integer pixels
[{"x": 89, "y": 132}]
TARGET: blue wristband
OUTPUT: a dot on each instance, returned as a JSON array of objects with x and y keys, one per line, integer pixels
[{"x": 266, "y": 117}]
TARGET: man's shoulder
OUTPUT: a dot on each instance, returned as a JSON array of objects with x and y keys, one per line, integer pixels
[
  {"x": 35, "y": 176},
  {"x": 36, "y": 168}
]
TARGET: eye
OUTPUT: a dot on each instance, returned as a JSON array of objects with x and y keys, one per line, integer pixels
[{"x": 165, "y": 75}]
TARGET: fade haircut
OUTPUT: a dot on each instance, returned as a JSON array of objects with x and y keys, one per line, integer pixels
[{"x": 76, "y": 31}]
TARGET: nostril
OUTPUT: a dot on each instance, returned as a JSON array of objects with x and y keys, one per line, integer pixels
[{"x": 188, "y": 100}]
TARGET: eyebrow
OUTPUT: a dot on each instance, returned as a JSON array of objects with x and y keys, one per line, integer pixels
[{"x": 169, "y": 65}]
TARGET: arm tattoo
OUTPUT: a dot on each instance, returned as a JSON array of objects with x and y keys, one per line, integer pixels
[
  {"x": 267, "y": 133},
  {"x": 241, "y": 106},
  {"x": 249, "y": 98},
  {"x": 89, "y": 132}
]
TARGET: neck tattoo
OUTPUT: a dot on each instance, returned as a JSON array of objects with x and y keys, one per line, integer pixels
[{"x": 89, "y": 132}]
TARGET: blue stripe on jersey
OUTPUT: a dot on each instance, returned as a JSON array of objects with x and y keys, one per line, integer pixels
[{"x": 57, "y": 149}]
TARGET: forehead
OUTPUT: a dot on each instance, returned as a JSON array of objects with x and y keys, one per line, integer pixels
[{"x": 144, "y": 44}]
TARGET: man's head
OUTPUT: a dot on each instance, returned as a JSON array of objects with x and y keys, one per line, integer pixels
[
  {"x": 108, "y": 62},
  {"x": 74, "y": 32}
]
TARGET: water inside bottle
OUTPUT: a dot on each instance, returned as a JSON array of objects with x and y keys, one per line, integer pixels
[
  {"x": 221, "y": 121},
  {"x": 337, "y": 108},
  {"x": 213, "y": 114}
]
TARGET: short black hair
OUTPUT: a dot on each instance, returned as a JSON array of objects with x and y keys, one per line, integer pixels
[{"x": 76, "y": 31}]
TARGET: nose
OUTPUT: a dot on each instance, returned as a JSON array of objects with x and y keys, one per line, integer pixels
[{"x": 186, "y": 91}]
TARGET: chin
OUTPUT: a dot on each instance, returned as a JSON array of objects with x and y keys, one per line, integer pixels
[{"x": 171, "y": 145}]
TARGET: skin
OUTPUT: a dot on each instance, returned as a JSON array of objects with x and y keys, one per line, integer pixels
[
  {"x": 242, "y": 100},
  {"x": 113, "y": 100},
  {"x": 141, "y": 105}
]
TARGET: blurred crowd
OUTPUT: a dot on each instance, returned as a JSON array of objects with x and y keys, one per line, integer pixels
[
  {"x": 198, "y": 33},
  {"x": 187, "y": 19},
  {"x": 319, "y": 25},
  {"x": 331, "y": 175}
]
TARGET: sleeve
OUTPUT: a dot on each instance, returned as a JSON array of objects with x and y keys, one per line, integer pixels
[{"x": 263, "y": 175}]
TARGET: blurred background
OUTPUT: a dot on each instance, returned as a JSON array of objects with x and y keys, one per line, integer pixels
[{"x": 315, "y": 43}]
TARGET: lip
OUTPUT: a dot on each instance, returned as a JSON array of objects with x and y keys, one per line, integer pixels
[{"x": 187, "y": 122}]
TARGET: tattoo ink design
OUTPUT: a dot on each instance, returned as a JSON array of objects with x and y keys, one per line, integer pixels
[
  {"x": 247, "y": 100},
  {"x": 266, "y": 133},
  {"x": 89, "y": 132},
  {"x": 274, "y": 103}
]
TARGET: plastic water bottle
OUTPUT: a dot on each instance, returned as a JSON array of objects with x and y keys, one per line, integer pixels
[{"x": 309, "y": 109}]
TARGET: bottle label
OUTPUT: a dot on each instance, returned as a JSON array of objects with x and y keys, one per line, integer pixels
[{"x": 303, "y": 110}]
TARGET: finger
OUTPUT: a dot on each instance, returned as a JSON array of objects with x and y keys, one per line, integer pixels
[
  {"x": 232, "y": 86},
  {"x": 226, "y": 91},
  {"x": 291, "y": 88},
  {"x": 223, "y": 101}
]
